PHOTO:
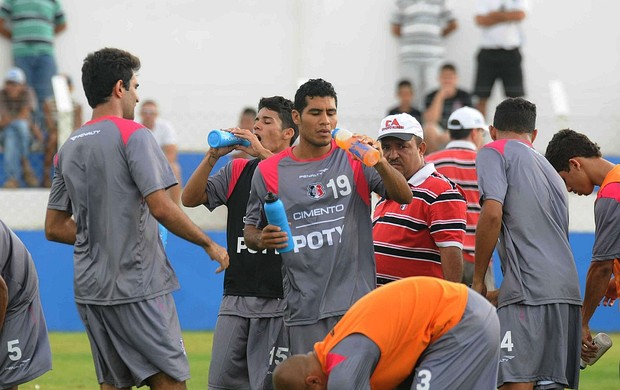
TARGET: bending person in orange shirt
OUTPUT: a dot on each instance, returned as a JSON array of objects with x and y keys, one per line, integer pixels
[{"x": 418, "y": 332}]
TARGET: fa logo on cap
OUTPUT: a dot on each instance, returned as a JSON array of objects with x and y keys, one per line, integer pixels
[{"x": 392, "y": 124}]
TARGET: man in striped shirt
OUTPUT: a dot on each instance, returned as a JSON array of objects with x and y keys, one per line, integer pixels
[
  {"x": 424, "y": 238},
  {"x": 458, "y": 163}
]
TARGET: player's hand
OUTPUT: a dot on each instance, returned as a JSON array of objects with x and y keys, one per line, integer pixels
[
  {"x": 480, "y": 288},
  {"x": 492, "y": 297},
  {"x": 219, "y": 152},
  {"x": 588, "y": 349},
  {"x": 611, "y": 294},
  {"x": 256, "y": 148},
  {"x": 272, "y": 237},
  {"x": 219, "y": 254}
]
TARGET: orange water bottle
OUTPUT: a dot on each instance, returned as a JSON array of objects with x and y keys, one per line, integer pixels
[{"x": 363, "y": 152}]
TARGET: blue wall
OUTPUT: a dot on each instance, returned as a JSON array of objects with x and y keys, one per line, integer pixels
[{"x": 201, "y": 289}]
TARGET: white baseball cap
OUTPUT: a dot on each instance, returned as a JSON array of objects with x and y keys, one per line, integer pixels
[
  {"x": 402, "y": 126},
  {"x": 15, "y": 75},
  {"x": 466, "y": 118}
]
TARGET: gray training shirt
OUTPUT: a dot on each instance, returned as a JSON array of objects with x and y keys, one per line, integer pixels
[
  {"x": 103, "y": 172},
  {"x": 536, "y": 258}
]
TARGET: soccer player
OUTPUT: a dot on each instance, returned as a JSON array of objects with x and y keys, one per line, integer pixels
[
  {"x": 580, "y": 163},
  {"x": 458, "y": 163},
  {"x": 249, "y": 337},
  {"x": 326, "y": 193},
  {"x": 524, "y": 205},
  {"x": 424, "y": 238},
  {"x": 424, "y": 331},
  {"x": 107, "y": 196},
  {"x": 23, "y": 333}
]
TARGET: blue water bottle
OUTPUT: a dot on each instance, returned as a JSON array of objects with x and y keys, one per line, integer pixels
[
  {"x": 221, "y": 138},
  {"x": 163, "y": 234},
  {"x": 276, "y": 215}
]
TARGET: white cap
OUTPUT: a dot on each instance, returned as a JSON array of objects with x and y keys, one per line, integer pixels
[
  {"x": 15, "y": 75},
  {"x": 466, "y": 118},
  {"x": 402, "y": 126}
]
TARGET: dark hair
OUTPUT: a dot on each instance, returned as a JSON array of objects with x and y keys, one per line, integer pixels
[
  {"x": 516, "y": 115},
  {"x": 460, "y": 134},
  {"x": 567, "y": 144},
  {"x": 283, "y": 107},
  {"x": 404, "y": 83},
  {"x": 448, "y": 66},
  {"x": 249, "y": 111},
  {"x": 102, "y": 70},
  {"x": 313, "y": 88}
]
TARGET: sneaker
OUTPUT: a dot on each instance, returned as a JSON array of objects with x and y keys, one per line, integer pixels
[{"x": 11, "y": 183}]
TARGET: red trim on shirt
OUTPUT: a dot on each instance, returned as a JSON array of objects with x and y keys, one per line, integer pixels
[
  {"x": 332, "y": 360},
  {"x": 126, "y": 126},
  {"x": 238, "y": 165},
  {"x": 610, "y": 191},
  {"x": 269, "y": 169},
  {"x": 56, "y": 160},
  {"x": 501, "y": 144}
]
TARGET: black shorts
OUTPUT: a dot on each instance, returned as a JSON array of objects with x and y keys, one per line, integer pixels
[{"x": 501, "y": 64}]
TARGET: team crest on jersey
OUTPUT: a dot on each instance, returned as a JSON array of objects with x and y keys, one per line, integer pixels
[{"x": 316, "y": 190}]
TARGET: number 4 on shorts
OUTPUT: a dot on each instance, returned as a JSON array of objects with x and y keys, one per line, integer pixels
[{"x": 507, "y": 341}]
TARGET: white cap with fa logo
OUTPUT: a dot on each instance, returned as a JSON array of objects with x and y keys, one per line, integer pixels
[{"x": 402, "y": 126}]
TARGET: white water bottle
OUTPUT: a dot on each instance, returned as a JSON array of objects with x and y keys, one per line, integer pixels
[{"x": 603, "y": 342}]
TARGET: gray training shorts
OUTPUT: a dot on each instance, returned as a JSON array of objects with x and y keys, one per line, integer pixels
[
  {"x": 540, "y": 343},
  {"x": 26, "y": 352},
  {"x": 302, "y": 337},
  {"x": 134, "y": 341}
]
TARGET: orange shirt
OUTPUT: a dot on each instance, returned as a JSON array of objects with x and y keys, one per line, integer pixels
[
  {"x": 613, "y": 177},
  {"x": 402, "y": 318}
]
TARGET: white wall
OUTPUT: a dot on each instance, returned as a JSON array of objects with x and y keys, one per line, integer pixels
[{"x": 205, "y": 60}]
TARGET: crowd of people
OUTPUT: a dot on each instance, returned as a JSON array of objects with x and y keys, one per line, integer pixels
[{"x": 397, "y": 294}]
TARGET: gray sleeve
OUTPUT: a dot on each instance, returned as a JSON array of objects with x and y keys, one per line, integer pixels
[
  {"x": 254, "y": 214},
  {"x": 375, "y": 182},
  {"x": 491, "y": 170},
  {"x": 147, "y": 163},
  {"x": 217, "y": 187},
  {"x": 607, "y": 233},
  {"x": 59, "y": 197},
  {"x": 361, "y": 356}
]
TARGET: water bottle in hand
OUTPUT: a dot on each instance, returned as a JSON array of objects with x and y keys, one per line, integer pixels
[
  {"x": 276, "y": 215},
  {"x": 221, "y": 138},
  {"x": 363, "y": 152}
]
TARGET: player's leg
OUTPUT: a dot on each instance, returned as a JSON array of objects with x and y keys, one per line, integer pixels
[
  {"x": 267, "y": 347},
  {"x": 162, "y": 381},
  {"x": 228, "y": 369},
  {"x": 466, "y": 357}
]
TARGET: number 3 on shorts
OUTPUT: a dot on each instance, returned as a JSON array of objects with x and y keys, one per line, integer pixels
[
  {"x": 425, "y": 380},
  {"x": 507, "y": 341},
  {"x": 14, "y": 352}
]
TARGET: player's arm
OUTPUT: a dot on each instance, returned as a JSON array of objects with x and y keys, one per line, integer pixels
[
  {"x": 487, "y": 234},
  {"x": 396, "y": 30},
  {"x": 396, "y": 185},
  {"x": 450, "y": 28},
  {"x": 269, "y": 237},
  {"x": 60, "y": 227},
  {"x": 611, "y": 294},
  {"x": 4, "y": 31},
  {"x": 597, "y": 281},
  {"x": 452, "y": 263},
  {"x": 4, "y": 301},
  {"x": 175, "y": 220}
]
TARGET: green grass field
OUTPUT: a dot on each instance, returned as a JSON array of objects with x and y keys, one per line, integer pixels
[{"x": 73, "y": 365}]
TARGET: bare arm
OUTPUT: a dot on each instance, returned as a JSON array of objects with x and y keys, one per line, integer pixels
[
  {"x": 395, "y": 183},
  {"x": 494, "y": 18},
  {"x": 270, "y": 237},
  {"x": 4, "y": 301},
  {"x": 60, "y": 28},
  {"x": 194, "y": 193},
  {"x": 175, "y": 220},
  {"x": 452, "y": 25},
  {"x": 396, "y": 30},
  {"x": 434, "y": 111},
  {"x": 60, "y": 227},
  {"x": 4, "y": 31},
  {"x": 487, "y": 233},
  {"x": 452, "y": 263}
]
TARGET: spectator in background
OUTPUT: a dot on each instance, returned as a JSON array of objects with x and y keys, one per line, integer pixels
[
  {"x": 16, "y": 106},
  {"x": 457, "y": 162},
  {"x": 424, "y": 238},
  {"x": 417, "y": 333},
  {"x": 440, "y": 104},
  {"x": 107, "y": 197},
  {"x": 580, "y": 163},
  {"x": 249, "y": 339},
  {"x": 246, "y": 121},
  {"x": 23, "y": 332},
  {"x": 420, "y": 26},
  {"x": 50, "y": 113},
  {"x": 405, "y": 93},
  {"x": 32, "y": 25},
  {"x": 525, "y": 213},
  {"x": 311, "y": 176},
  {"x": 166, "y": 137},
  {"x": 499, "y": 56}
]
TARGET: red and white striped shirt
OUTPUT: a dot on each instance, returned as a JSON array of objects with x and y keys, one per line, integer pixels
[{"x": 407, "y": 237}]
